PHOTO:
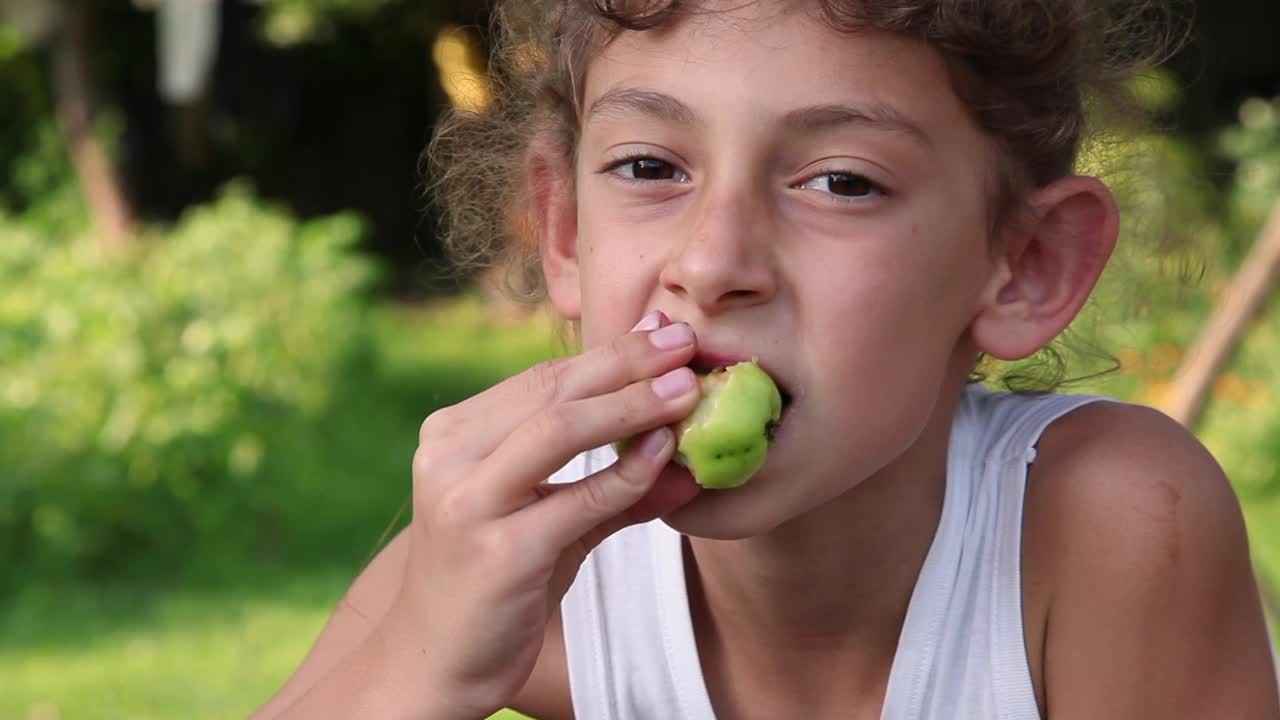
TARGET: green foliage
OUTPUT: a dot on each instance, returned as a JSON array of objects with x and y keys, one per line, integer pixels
[
  {"x": 26, "y": 114},
  {"x": 140, "y": 395},
  {"x": 1254, "y": 145},
  {"x": 290, "y": 22},
  {"x": 1243, "y": 426},
  {"x": 1158, "y": 292},
  {"x": 10, "y": 43},
  {"x": 216, "y": 641},
  {"x": 1150, "y": 291}
]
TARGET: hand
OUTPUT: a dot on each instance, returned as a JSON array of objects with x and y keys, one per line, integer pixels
[{"x": 492, "y": 547}]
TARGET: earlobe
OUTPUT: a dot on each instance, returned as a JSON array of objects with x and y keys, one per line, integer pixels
[
  {"x": 1049, "y": 266},
  {"x": 555, "y": 221}
]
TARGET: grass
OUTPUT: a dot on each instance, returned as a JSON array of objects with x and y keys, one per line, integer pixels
[
  {"x": 176, "y": 652},
  {"x": 217, "y": 638}
]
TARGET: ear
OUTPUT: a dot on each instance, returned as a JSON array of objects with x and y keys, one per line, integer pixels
[
  {"x": 555, "y": 216},
  {"x": 1048, "y": 265}
]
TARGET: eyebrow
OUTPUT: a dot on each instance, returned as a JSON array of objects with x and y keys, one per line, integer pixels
[
  {"x": 876, "y": 116},
  {"x": 623, "y": 100},
  {"x": 815, "y": 118}
]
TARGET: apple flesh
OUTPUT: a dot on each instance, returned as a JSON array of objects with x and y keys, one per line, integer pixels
[{"x": 726, "y": 438}]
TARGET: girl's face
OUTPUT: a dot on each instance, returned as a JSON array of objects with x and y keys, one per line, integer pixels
[{"x": 813, "y": 199}]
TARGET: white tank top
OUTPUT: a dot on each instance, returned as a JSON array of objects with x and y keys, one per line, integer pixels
[{"x": 961, "y": 653}]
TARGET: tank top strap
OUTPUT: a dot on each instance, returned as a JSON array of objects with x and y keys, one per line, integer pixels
[
  {"x": 1006, "y": 474},
  {"x": 962, "y": 651}
]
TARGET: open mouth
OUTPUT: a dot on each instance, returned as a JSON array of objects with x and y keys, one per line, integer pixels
[{"x": 704, "y": 364}]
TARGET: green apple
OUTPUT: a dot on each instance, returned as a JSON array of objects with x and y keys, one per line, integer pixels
[{"x": 725, "y": 440}]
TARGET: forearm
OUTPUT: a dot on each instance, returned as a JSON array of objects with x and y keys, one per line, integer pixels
[
  {"x": 378, "y": 679},
  {"x": 362, "y": 609}
]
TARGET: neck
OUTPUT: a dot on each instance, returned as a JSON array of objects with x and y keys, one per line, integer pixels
[{"x": 835, "y": 582}]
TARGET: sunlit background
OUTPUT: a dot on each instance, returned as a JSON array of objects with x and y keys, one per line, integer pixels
[{"x": 223, "y": 314}]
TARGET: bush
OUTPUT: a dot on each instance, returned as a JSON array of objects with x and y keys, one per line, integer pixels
[
  {"x": 139, "y": 395},
  {"x": 1242, "y": 425},
  {"x": 1179, "y": 285}
]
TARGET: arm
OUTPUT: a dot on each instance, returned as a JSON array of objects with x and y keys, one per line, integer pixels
[
  {"x": 1155, "y": 612},
  {"x": 364, "y": 673},
  {"x": 452, "y": 619},
  {"x": 350, "y": 627}
]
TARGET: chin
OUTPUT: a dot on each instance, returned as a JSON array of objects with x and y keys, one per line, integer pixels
[{"x": 735, "y": 514}]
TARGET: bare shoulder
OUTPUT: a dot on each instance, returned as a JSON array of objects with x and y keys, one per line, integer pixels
[
  {"x": 1134, "y": 470},
  {"x": 1150, "y": 606},
  {"x": 546, "y": 695}
]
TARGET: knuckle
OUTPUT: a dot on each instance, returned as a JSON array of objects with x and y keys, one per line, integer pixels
[
  {"x": 452, "y": 508},
  {"x": 546, "y": 379},
  {"x": 552, "y": 425},
  {"x": 622, "y": 351},
  {"x": 425, "y": 461},
  {"x": 632, "y": 471},
  {"x": 594, "y": 496},
  {"x": 640, "y": 404},
  {"x": 437, "y": 425}
]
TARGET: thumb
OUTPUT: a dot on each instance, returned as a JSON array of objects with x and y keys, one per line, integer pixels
[{"x": 574, "y": 511}]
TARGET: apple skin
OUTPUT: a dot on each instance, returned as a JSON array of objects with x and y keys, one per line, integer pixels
[{"x": 726, "y": 438}]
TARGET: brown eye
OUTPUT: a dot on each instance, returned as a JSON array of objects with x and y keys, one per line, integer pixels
[
  {"x": 849, "y": 185},
  {"x": 651, "y": 169},
  {"x": 645, "y": 169},
  {"x": 844, "y": 187}
]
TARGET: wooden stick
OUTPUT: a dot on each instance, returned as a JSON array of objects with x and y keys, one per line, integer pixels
[{"x": 1227, "y": 325}]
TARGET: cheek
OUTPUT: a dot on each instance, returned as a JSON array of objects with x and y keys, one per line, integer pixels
[
  {"x": 616, "y": 277},
  {"x": 884, "y": 340}
]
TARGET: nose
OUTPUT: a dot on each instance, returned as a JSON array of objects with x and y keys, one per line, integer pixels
[{"x": 726, "y": 259}]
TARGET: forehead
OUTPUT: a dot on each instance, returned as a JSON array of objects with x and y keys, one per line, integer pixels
[{"x": 768, "y": 58}]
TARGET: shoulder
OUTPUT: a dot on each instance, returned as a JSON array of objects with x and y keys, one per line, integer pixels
[
  {"x": 1132, "y": 472},
  {"x": 1150, "y": 604}
]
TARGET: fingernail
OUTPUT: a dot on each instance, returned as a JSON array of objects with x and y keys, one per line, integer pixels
[
  {"x": 674, "y": 384},
  {"x": 650, "y": 322},
  {"x": 654, "y": 443},
  {"x": 672, "y": 336}
]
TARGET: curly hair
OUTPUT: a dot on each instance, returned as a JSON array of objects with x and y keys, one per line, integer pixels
[{"x": 1039, "y": 77}]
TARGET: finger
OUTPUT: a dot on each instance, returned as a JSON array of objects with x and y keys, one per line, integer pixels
[
  {"x": 632, "y": 357},
  {"x": 549, "y": 440},
  {"x": 597, "y": 505},
  {"x": 674, "y": 487},
  {"x": 637, "y": 355}
]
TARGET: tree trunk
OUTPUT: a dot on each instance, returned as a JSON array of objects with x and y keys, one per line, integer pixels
[
  {"x": 73, "y": 87},
  {"x": 1228, "y": 323}
]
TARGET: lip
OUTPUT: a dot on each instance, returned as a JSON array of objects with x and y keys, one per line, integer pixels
[
  {"x": 709, "y": 359},
  {"x": 706, "y": 360}
]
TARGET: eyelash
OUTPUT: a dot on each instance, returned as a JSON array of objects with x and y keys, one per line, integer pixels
[
  {"x": 875, "y": 187},
  {"x": 634, "y": 157}
]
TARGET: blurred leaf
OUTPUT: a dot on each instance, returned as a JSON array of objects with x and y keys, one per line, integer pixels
[
  {"x": 292, "y": 22},
  {"x": 151, "y": 381},
  {"x": 10, "y": 42}
]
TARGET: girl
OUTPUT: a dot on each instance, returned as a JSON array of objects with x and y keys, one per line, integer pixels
[{"x": 869, "y": 196}]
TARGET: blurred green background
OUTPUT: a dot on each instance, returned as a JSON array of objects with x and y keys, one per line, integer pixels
[{"x": 223, "y": 315}]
